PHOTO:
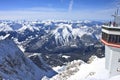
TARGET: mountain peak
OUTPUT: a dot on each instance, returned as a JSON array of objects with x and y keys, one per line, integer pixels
[{"x": 15, "y": 65}]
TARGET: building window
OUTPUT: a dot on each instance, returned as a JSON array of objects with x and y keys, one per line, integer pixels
[
  {"x": 118, "y": 69},
  {"x": 118, "y": 60},
  {"x": 119, "y": 39},
  {"x": 111, "y": 38}
]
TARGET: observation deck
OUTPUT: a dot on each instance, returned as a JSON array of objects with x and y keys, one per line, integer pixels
[
  {"x": 111, "y": 32},
  {"x": 111, "y": 35}
]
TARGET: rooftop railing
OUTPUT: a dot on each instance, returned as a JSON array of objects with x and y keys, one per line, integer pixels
[{"x": 112, "y": 24}]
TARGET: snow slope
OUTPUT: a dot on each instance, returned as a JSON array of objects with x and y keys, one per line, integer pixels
[
  {"x": 78, "y": 70},
  {"x": 93, "y": 71},
  {"x": 29, "y": 27},
  {"x": 4, "y": 27},
  {"x": 38, "y": 60},
  {"x": 14, "y": 65}
]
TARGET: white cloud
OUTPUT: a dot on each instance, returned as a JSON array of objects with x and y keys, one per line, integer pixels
[
  {"x": 70, "y": 5},
  {"x": 31, "y": 15}
]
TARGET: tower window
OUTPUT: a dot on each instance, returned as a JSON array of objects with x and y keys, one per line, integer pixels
[
  {"x": 118, "y": 69},
  {"x": 118, "y": 60}
]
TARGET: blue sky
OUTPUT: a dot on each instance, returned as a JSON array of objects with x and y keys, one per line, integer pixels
[{"x": 57, "y": 9}]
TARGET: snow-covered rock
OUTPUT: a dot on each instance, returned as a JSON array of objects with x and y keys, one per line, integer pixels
[
  {"x": 65, "y": 35},
  {"x": 93, "y": 70},
  {"x": 14, "y": 65},
  {"x": 5, "y": 27},
  {"x": 28, "y": 27},
  {"x": 38, "y": 60}
]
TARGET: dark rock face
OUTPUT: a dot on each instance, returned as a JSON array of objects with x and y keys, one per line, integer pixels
[
  {"x": 53, "y": 54},
  {"x": 48, "y": 44},
  {"x": 37, "y": 59},
  {"x": 14, "y": 65},
  {"x": 83, "y": 54}
]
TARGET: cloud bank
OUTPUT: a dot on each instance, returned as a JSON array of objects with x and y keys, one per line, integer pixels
[{"x": 54, "y": 14}]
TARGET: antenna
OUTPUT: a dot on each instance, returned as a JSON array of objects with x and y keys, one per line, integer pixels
[
  {"x": 117, "y": 12},
  {"x": 117, "y": 3},
  {"x": 117, "y": 6}
]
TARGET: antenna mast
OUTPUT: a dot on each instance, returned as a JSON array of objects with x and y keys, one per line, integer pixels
[{"x": 117, "y": 11}]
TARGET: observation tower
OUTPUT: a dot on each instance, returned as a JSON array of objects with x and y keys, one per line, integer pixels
[{"x": 111, "y": 39}]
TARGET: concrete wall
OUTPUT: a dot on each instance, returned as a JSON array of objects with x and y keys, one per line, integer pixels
[
  {"x": 107, "y": 57},
  {"x": 112, "y": 56}
]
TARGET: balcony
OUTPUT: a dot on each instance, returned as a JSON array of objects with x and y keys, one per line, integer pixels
[{"x": 111, "y": 36}]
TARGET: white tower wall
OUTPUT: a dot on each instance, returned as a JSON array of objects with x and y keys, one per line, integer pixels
[
  {"x": 107, "y": 57},
  {"x": 112, "y": 60}
]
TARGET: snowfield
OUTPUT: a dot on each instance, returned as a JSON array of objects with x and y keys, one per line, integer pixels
[
  {"x": 93, "y": 71},
  {"x": 78, "y": 70}
]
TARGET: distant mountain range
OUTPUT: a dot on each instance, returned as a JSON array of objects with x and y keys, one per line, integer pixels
[{"x": 76, "y": 39}]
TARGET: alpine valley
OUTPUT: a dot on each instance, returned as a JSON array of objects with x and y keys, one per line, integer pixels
[{"x": 35, "y": 48}]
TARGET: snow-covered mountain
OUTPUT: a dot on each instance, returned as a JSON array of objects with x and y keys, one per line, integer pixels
[
  {"x": 65, "y": 37},
  {"x": 65, "y": 33},
  {"x": 45, "y": 44},
  {"x": 14, "y": 65},
  {"x": 70, "y": 39},
  {"x": 28, "y": 27},
  {"x": 5, "y": 27},
  {"x": 23, "y": 30},
  {"x": 77, "y": 39}
]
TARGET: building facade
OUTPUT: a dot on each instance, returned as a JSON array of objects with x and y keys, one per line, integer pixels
[{"x": 111, "y": 39}]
